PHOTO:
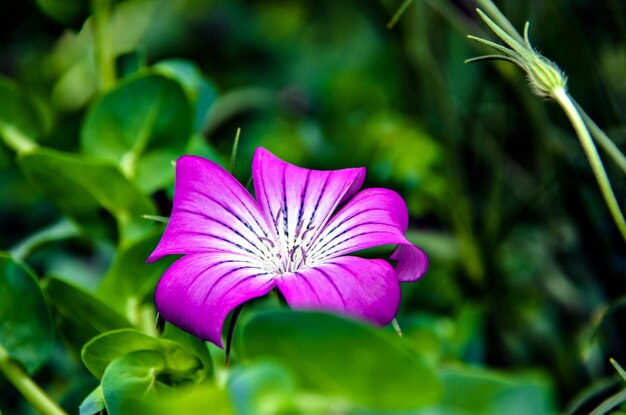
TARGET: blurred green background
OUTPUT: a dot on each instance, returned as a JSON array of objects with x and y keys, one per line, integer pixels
[{"x": 523, "y": 303}]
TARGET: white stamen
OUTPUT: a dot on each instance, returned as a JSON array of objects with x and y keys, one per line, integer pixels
[{"x": 287, "y": 251}]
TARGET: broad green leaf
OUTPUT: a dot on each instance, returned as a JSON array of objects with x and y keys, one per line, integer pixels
[
  {"x": 20, "y": 121},
  {"x": 191, "y": 344},
  {"x": 131, "y": 379},
  {"x": 65, "y": 11},
  {"x": 71, "y": 63},
  {"x": 100, "y": 351},
  {"x": 82, "y": 187},
  {"x": 203, "y": 398},
  {"x": 26, "y": 333},
  {"x": 130, "y": 281},
  {"x": 341, "y": 357},
  {"x": 142, "y": 125},
  {"x": 98, "y": 354},
  {"x": 475, "y": 391},
  {"x": 76, "y": 86},
  {"x": 80, "y": 315},
  {"x": 93, "y": 403},
  {"x": 198, "y": 89},
  {"x": 264, "y": 387}
]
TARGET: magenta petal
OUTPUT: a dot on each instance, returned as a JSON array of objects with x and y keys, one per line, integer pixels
[
  {"x": 412, "y": 262},
  {"x": 373, "y": 217},
  {"x": 366, "y": 289},
  {"x": 212, "y": 212},
  {"x": 197, "y": 292},
  {"x": 297, "y": 202}
]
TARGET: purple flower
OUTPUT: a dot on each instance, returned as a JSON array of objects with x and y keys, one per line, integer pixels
[{"x": 236, "y": 248}]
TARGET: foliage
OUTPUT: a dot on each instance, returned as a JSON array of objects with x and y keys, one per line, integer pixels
[{"x": 523, "y": 303}]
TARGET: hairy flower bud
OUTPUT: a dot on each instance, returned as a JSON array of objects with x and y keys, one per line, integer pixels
[{"x": 544, "y": 76}]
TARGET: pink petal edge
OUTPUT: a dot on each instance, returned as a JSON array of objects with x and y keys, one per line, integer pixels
[
  {"x": 212, "y": 212},
  {"x": 296, "y": 201},
  {"x": 372, "y": 218},
  {"x": 365, "y": 289},
  {"x": 197, "y": 292}
]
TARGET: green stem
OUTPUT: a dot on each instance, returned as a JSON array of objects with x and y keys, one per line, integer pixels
[
  {"x": 27, "y": 387},
  {"x": 564, "y": 100},
  {"x": 602, "y": 139},
  {"x": 101, "y": 11}
]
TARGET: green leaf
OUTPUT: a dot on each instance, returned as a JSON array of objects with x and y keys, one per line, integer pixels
[
  {"x": 20, "y": 121},
  {"x": 198, "y": 399},
  {"x": 26, "y": 333},
  {"x": 610, "y": 403},
  {"x": 142, "y": 125},
  {"x": 619, "y": 368},
  {"x": 71, "y": 63},
  {"x": 80, "y": 315},
  {"x": 341, "y": 357},
  {"x": 61, "y": 230},
  {"x": 264, "y": 387},
  {"x": 198, "y": 89},
  {"x": 93, "y": 403},
  {"x": 130, "y": 281},
  {"x": 76, "y": 85},
  {"x": 475, "y": 391},
  {"x": 100, "y": 351},
  {"x": 98, "y": 354},
  {"x": 133, "y": 365},
  {"x": 191, "y": 344},
  {"x": 83, "y": 186},
  {"x": 130, "y": 379},
  {"x": 65, "y": 11}
]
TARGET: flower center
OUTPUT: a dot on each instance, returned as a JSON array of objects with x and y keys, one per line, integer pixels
[{"x": 288, "y": 251}]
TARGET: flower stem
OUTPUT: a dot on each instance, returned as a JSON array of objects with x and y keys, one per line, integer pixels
[
  {"x": 564, "y": 100},
  {"x": 27, "y": 387},
  {"x": 602, "y": 139},
  {"x": 101, "y": 10}
]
